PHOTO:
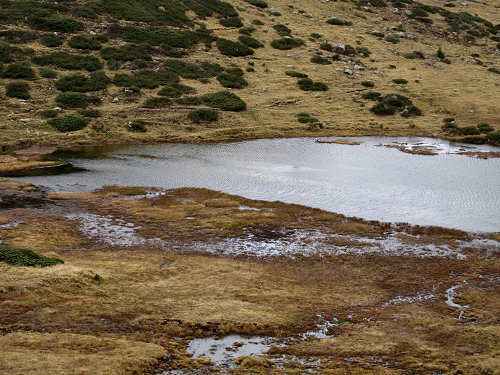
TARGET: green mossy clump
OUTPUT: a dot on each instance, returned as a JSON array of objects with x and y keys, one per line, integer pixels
[
  {"x": 76, "y": 100},
  {"x": 81, "y": 42},
  {"x": 157, "y": 102},
  {"x": 137, "y": 126},
  {"x": 24, "y": 257},
  {"x": 318, "y": 59},
  {"x": 51, "y": 40},
  {"x": 293, "y": 73},
  {"x": 338, "y": 22},
  {"x": 47, "y": 73},
  {"x": 250, "y": 42},
  {"x": 176, "y": 90},
  {"x": 230, "y": 48},
  {"x": 92, "y": 113},
  {"x": 258, "y": 3},
  {"x": 203, "y": 115},
  {"x": 128, "y": 52},
  {"x": 81, "y": 83},
  {"x": 400, "y": 81},
  {"x": 232, "y": 78},
  {"x": 68, "y": 123},
  {"x": 19, "y": 90},
  {"x": 64, "y": 60},
  {"x": 146, "y": 79},
  {"x": 225, "y": 100},
  {"x": 282, "y": 30},
  {"x": 234, "y": 22},
  {"x": 18, "y": 36},
  {"x": 287, "y": 43},
  {"x": 18, "y": 71},
  {"x": 190, "y": 70},
  {"x": 308, "y": 84}
]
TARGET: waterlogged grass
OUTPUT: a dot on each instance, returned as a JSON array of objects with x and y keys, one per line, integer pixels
[{"x": 25, "y": 257}]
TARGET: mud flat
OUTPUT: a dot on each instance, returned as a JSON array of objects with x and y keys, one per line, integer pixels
[{"x": 192, "y": 281}]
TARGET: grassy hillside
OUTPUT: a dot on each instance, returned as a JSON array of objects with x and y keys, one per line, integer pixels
[{"x": 127, "y": 71}]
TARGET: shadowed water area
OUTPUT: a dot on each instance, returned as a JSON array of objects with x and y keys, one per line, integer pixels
[{"x": 367, "y": 181}]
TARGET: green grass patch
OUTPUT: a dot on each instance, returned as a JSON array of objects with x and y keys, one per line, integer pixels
[
  {"x": 56, "y": 23},
  {"x": 91, "y": 113},
  {"x": 232, "y": 78},
  {"x": 258, "y": 3},
  {"x": 137, "y": 126},
  {"x": 338, "y": 22},
  {"x": 24, "y": 257},
  {"x": 231, "y": 22},
  {"x": 18, "y": 36},
  {"x": 47, "y": 73}
]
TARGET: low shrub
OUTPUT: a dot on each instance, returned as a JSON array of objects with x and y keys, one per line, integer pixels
[
  {"x": 318, "y": 59},
  {"x": 68, "y": 123},
  {"x": 81, "y": 42},
  {"x": 190, "y": 70},
  {"x": 373, "y": 3},
  {"x": 485, "y": 128},
  {"x": 305, "y": 118},
  {"x": 81, "y": 83},
  {"x": 282, "y": 30},
  {"x": 287, "y": 43},
  {"x": 411, "y": 110},
  {"x": 368, "y": 83},
  {"x": 392, "y": 38},
  {"x": 383, "y": 109},
  {"x": 25, "y": 257},
  {"x": 203, "y": 115},
  {"x": 232, "y": 78},
  {"x": 250, "y": 42},
  {"x": 49, "y": 113},
  {"x": 400, "y": 81},
  {"x": 363, "y": 51},
  {"x": 92, "y": 113},
  {"x": 225, "y": 100},
  {"x": 372, "y": 95},
  {"x": 55, "y": 23},
  {"x": 71, "y": 62},
  {"x": 257, "y": 22},
  {"x": 231, "y": 22},
  {"x": 176, "y": 90},
  {"x": 19, "y": 90},
  {"x": 392, "y": 103},
  {"x": 51, "y": 40},
  {"x": 494, "y": 137},
  {"x": 338, "y": 22},
  {"x": 230, "y": 48},
  {"x": 137, "y": 126},
  {"x": 18, "y": 71},
  {"x": 128, "y": 52},
  {"x": 189, "y": 100},
  {"x": 293, "y": 73},
  {"x": 146, "y": 79},
  {"x": 247, "y": 30},
  {"x": 258, "y": 3},
  {"x": 308, "y": 84},
  {"x": 494, "y": 70},
  {"x": 157, "y": 102},
  {"x": 76, "y": 100},
  {"x": 47, "y": 73},
  {"x": 440, "y": 54},
  {"x": 18, "y": 36}
]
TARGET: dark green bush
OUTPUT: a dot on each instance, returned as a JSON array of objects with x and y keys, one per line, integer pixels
[
  {"x": 282, "y": 30},
  {"x": 128, "y": 52},
  {"x": 137, "y": 126},
  {"x": 85, "y": 12},
  {"x": 225, "y": 100},
  {"x": 68, "y": 123},
  {"x": 494, "y": 137},
  {"x": 18, "y": 71},
  {"x": 203, "y": 115},
  {"x": 411, "y": 110},
  {"x": 258, "y": 3},
  {"x": 146, "y": 79},
  {"x": 24, "y": 257},
  {"x": 250, "y": 42},
  {"x": 176, "y": 90},
  {"x": 231, "y": 22},
  {"x": 92, "y": 113},
  {"x": 49, "y": 113},
  {"x": 363, "y": 51},
  {"x": 189, "y": 100},
  {"x": 233, "y": 80},
  {"x": 190, "y": 70},
  {"x": 318, "y": 59},
  {"x": 440, "y": 54},
  {"x": 71, "y": 62},
  {"x": 338, "y": 22},
  {"x": 374, "y": 3},
  {"x": 485, "y": 128},
  {"x": 400, "y": 81},
  {"x": 76, "y": 100},
  {"x": 18, "y": 36},
  {"x": 396, "y": 100},
  {"x": 81, "y": 42},
  {"x": 157, "y": 102},
  {"x": 257, "y": 22},
  {"x": 393, "y": 38},
  {"x": 47, "y": 73},
  {"x": 494, "y": 70},
  {"x": 308, "y": 84},
  {"x": 9, "y": 54},
  {"x": 55, "y": 23},
  {"x": 293, "y": 73},
  {"x": 51, "y": 40},
  {"x": 383, "y": 109},
  {"x": 368, "y": 83},
  {"x": 372, "y": 95},
  {"x": 18, "y": 90},
  {"x": 247, "y": 30},
  {"x": 305, "y": 118},
  {"x": 230, "y": 48},
  {"x": 81, "y": 83},
  {"x": 287, "y": 43}
]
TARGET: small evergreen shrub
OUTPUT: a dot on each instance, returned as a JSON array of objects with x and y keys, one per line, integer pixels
[
  {"x": 308, "y": 84},
  {"x": 19, "y": 90},
  {"x": 146, "y": 79},
  {"x": 258, "y": 3},
  {"x": 81, "y": 42},
  {"x": 71, "y": 62},
  {"x": 411, "y": 110},
  {"x": 400, "y": 81},
  {"x": 47, "y": 73},
  {"x": 190, "y": 70},
  {"x": 250, "y": 42},
  {"x": 80, "y": 83},
  {"x": 128, "y": 52},
  {"x": 494, "y": 137},
  {"x": 392, "y": 38},
  {"x": 287, "y": 43},
  {"x": 203, "y": 115},
  {"x": 189, "y": 100},
  {"x": 230, "y": 48},
  {"x": 157, "y": 102},
  {"x": 305, "y": 118},
  {"x": 68, "y": 123},
  {"x": 247, "y": 30},
  {"x": 338, "y": 22},
  {"x": 440, "y": 54},
  {"x": 257, "y": 22},
  {"x": 49, "y": 113},
  {"x": 282, "y": 30},
  {"x": 318, "y": 59},
  {"x": 176, "y": 90},
  {"x": 18, "y": 36},
  {"x": 225, "y": 100},
  {"x": 383, "y": 109},
  {"x": 231, "y": 22},
  {"x": 76, "y": 100},
  {"x": 92, "y": 113},
  {"x": 494, "y": 70},
  {"x": 51, "y": 40},
  {"x": 137, "y": 126},
  {"x": 55, "y": 23},
  {"x": 372, "y": 95},
  {"x": 485, "y": 128},
  {"x": 24, "y": 257},
  {"x": 18, "y": 71},
  {"x": 293, "y": 73},
  {"x": 368, "y": 83},
  {"x": 363, "y": 51}
]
